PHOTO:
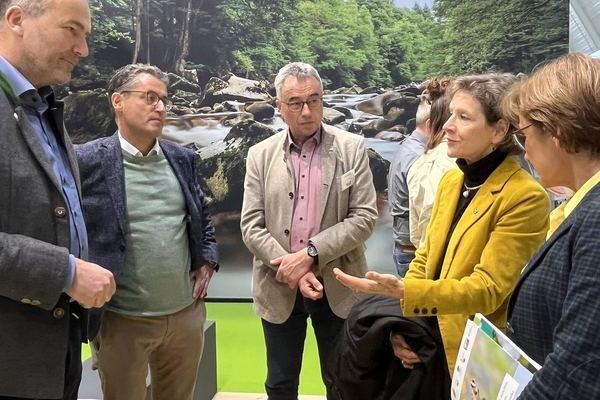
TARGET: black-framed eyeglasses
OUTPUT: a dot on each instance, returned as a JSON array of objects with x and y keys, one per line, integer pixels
[
  {"x": 518, "y": 136},
  {"x": 313, "y": 103},
  {"x": 152, "y": 98}
]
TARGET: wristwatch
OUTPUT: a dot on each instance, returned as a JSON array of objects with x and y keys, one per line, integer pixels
[{"x": 312, "y": 251}]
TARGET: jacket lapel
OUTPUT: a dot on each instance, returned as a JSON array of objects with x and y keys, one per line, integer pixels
[
  {"x": 35, "y": 146},
  {"x": 441, "y": 224},
  {"x": 177, "y": 162},
  {"x": 538, "y": 257},
  {"x": 328, "y": 163},
  {"x": 57, "y": 110},
  {"x": 112, "y": 167},
  {"x": 478, "y": 207}
]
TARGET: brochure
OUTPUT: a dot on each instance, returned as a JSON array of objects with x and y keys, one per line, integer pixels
[{"x": 489, "y": 365}]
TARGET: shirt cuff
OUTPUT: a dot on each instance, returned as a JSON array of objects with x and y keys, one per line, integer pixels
[{"x": 70, "y": 273}]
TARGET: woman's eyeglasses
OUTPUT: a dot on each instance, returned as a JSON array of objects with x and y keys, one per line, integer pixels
[{"x": 518, "y": 136}]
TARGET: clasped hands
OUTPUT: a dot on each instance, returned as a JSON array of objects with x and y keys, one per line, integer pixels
[{"x": 295, "y": 269}]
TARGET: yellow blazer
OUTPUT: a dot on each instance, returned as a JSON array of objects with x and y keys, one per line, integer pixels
[{"x": 502, "y": 227}]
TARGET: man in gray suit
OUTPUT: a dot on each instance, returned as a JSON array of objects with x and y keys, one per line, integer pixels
[
  {"x": 309, "y": 206},
  {"x": 45, "y": 285}
]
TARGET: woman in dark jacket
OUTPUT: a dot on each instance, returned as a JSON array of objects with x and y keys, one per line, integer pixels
[{"x": 555, "y": 309}]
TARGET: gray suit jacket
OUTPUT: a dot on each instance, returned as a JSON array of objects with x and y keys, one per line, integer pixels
[
  {"x": 348, "y": 216},
  {"x": 34, "y": 241}
]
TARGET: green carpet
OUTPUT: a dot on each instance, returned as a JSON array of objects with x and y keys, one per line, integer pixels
[{"x": 241, "y": 364}]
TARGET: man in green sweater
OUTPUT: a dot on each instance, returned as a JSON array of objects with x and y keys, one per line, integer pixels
[{"x": 148, "y": 223}]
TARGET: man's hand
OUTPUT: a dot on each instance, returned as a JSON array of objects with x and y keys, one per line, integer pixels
[
  {"x": 92, "y": 285},
  {"x": 310, "y": 287},
  {"x": 403, "y": 351},
  {"x": 292, "y": 267},
  {"x": 201, "y": 278},
  {"x": 373, "y": 282}
]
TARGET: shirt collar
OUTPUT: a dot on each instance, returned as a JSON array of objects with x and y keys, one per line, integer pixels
[
  {"x": 316, "y": 137},
  {"x": 580, "y": 194},
  {"x": 19, "y": 83},
  {"x": 133, "y": 151},
  {"x": 419, "y": 136},
  {"x": 29, "y": 95}
]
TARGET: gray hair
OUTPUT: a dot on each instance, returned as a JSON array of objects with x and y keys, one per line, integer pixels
[
  {"x": 126, "y": 77},
  {"x": 299, "y": 70},
  {"x": 423, "y": 112},
  {"x": 31, "y": 7}
]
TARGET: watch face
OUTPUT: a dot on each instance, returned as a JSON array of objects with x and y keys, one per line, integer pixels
[{"x": 311, "y": 250}]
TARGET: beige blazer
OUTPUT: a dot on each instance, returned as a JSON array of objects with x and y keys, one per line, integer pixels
[{"x": 348, "y": 214}]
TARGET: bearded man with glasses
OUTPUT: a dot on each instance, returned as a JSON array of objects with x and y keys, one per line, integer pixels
[
  {"x": 309, "y": 205},
  {"x": 149, "y": 224}
]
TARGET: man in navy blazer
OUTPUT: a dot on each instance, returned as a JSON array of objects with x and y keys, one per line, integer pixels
[{"x": 149, "y": 225}]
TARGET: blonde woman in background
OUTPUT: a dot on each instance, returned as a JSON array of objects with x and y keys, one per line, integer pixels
[{"x": 425, "y": 174}]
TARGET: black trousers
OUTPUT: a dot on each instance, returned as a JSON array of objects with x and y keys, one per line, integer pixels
[
  {"x": 285, "y": 345},
  {"x": 73, "y": 363}
]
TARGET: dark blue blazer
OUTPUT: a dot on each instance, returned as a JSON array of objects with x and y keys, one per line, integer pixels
[
  {"x": 105, "y": 206},
  {"x": 554, "y": 313}
]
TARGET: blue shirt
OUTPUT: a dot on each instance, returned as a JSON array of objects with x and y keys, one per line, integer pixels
[
  {"x": 36, "y": 106},
  {"x": 408, "y": 152}
]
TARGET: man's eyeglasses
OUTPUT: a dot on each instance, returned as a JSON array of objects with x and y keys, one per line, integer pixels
[
  {"x": 313, "y": 103},
  {"x": 152, "y": 98},
  {"x": 518, "y": 137}
]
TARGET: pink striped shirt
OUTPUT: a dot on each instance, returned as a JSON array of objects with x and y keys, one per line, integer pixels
[{"x": 306, "y": 161}]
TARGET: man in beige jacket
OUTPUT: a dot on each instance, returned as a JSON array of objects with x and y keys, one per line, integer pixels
[{"x": 309, "y": 206}]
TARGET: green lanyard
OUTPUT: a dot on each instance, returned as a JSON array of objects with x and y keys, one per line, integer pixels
[{"x": 8, "y": 90}]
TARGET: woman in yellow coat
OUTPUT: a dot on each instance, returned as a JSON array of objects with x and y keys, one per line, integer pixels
[{"x": 488, "y": 218}]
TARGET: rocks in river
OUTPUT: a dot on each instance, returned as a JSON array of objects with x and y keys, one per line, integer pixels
[
  {"x": 332, "y": 117},
  {"x": 374, "y": 127},
  {"x": 375, "y": 105},
  {"x": 177, "y": 82},
  {"x": 236, "y": 118},
  {"x": 344, "y": 111},
  {"x": 234, "y": 88},
  {"x": 88, "y": 116},
  {"x": 401, "y": 106},
  {"x": 261, "y": 110},
  {"x": 414, "y": 90},
  {"x": 222, "y": 166},
  {"x": 393, "y": 135},
  {"x": 379, "y": 168},
  {"x": 395, "y": 108}
]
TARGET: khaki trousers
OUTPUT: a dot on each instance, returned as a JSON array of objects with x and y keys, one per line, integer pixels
[{"x": 170, "y": 345}]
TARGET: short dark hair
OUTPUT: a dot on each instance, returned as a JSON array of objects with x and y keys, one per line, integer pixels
[{"x": 127, "y": 76}]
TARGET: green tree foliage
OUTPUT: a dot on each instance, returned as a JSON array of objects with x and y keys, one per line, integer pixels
[
  {"x": 510, "y": 35},
  {"x": 364, "y": 42},
  {"x": 338, "y": 38}
]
